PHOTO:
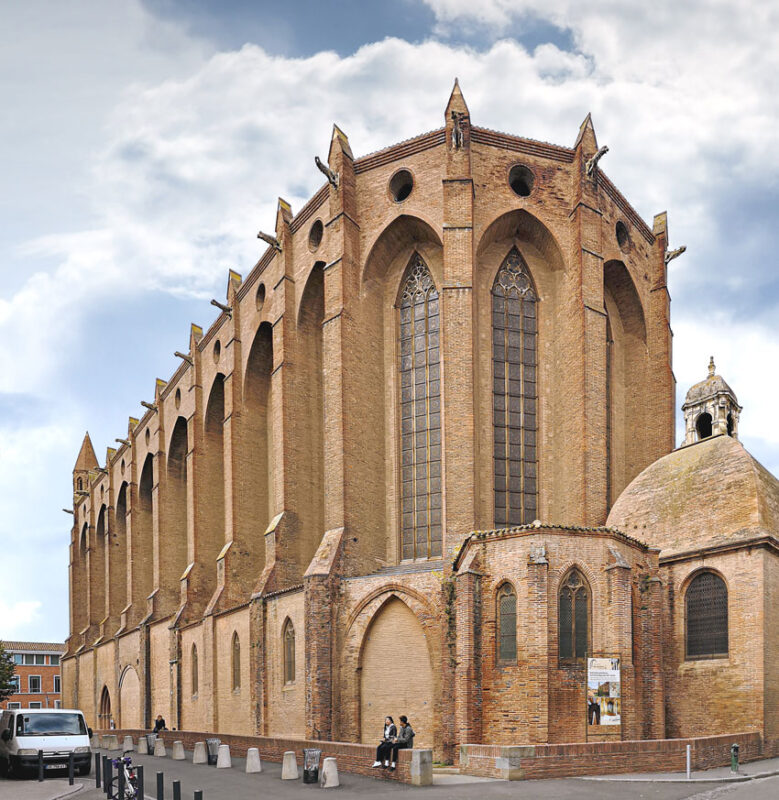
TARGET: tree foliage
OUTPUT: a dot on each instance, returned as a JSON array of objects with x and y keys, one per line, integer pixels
[{"x": 7, "y": 671}]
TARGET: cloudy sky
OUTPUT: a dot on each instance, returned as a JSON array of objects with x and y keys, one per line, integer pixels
[{"x": 144, "y": 142}]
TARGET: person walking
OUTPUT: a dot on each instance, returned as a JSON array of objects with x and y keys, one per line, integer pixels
[
  {"x": 403, "y": 741},
  {"x": 385, "y": 745}
]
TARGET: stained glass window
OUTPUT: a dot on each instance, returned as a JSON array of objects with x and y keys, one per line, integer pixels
[
  {"x": 573, "y": 622},
  {"x": 507, "y": 624},
  {"x": 420, "y": 411},
  {"x": 514, "y": 393},
  {"x": 706, "y": 605}
]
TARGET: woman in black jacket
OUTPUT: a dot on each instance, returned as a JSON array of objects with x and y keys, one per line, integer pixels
[{"x": 385, "y": 745}]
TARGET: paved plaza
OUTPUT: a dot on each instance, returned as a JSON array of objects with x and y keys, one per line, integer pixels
[{"x": 235, "y": 784}]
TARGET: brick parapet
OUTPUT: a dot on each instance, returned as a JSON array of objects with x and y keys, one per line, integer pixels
[
  {"x": 354, "y": 758},
  {"x": 606, "y": 758}
]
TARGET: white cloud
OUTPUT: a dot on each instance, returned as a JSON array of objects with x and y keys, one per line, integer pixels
[{"x": 17, "y": 617}]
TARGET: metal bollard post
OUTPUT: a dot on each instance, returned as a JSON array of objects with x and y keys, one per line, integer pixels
[
  {"x": 120, "y": 781},
  {"x": 734, "y": 757},
  {"x": 70, "y": 768},
  {"x": 139, "y": 782},
  {"x": 198, "y": 794},
  {"x": 40, "y": 765},
  {"x": 98, "y": 764},
  {"x": 160, "y": 786},
  {"x": 176, "y": 790},
  {"x": 107, "y": 775},
  {"x": 689, "y": 748}
]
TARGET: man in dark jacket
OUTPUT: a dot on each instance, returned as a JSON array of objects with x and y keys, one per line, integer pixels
[{"x": 404, "y": 739}]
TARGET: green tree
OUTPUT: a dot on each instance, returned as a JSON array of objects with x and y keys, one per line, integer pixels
[{"x": 7, "y": 671}]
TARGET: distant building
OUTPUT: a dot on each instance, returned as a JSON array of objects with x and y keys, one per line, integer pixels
[{"x": 37, "y": 674}]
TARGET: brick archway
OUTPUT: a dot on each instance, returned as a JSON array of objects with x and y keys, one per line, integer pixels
[{"x": 417, "y": 654}]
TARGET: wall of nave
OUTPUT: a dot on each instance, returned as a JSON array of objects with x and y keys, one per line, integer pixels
[{"x": 401, "y": 370}]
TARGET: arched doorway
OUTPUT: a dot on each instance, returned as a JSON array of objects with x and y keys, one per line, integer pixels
[
  {"x": 395, "y": 632},
  {"x": 130, "y": 700},
  {"x": 104, "y": 715}
]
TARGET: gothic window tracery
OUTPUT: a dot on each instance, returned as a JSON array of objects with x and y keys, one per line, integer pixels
[
  {"x": 420, "y": 411},
  {"x": 514, "y": 393},
  {"x": 574, "y": 618}
]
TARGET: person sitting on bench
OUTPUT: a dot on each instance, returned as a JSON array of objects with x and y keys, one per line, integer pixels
[
  {"x": 385, "y": 745},
  {"x": 404, "y": 739}
]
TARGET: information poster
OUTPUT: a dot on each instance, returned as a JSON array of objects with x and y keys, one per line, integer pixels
[{"x": 603, "y": 691}]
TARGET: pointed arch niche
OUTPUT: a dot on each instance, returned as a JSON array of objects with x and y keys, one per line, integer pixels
[
  {"x": 256, "y": 476},
  {"x": 97, "y": 566},
  {"x": 141, "y": 531},
  {"x": 626, "y": 370},
  {"x": 117, "y": 557},
  {"x": 310, "y": 423},
  {"x": 386, "y": 296},
  {"x": 173, "y": 556},
  {"x": 211, "y": 536},
  {"x": 380, "y": 692}
]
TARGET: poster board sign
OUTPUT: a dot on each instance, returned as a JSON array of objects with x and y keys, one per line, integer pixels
[{"x": 604, "y": 691}]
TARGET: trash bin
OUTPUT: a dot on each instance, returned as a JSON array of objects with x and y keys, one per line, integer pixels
[
  {"x": 151, "y": 740},
  {"x": 212, "y": 745},
  {"x": 311, "y": 765}
]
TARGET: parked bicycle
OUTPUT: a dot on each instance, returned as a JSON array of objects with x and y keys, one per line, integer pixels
[{"x": 130, "y": 782}]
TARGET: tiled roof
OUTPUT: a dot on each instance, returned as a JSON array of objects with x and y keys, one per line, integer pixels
[{"x": 34, "y": 647}]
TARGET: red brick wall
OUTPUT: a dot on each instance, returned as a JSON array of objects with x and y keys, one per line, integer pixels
[
  {"x": 47, "y": 695},
  {"x": 609, "y": 758}
]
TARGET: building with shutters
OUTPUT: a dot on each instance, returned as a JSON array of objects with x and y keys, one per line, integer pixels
[{"x": 423, "y": 463}]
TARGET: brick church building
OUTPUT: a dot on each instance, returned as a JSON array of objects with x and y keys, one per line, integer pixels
[{"x": 423, "y": 462}]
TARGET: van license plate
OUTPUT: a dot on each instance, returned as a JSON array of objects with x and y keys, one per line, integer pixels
[{"x": 53, "y": 766}]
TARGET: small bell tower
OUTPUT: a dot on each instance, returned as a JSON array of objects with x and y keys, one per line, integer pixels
[{"x": 710, "y": 409}]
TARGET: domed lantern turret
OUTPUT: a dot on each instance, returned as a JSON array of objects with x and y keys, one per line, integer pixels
[{"x": 710, "y": 409}]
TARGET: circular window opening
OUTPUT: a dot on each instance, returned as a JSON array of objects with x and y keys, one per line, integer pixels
[
  {"x": 177, "y": 399},
  {"x": 623, "y": 240},
  {"x": 401, "y": 185},
  {"x": 217, "y": 350},
  {"x": 521, "y": 180},
  {"x": 315, "y": 235},
  {"x": 260, "y": 297}
]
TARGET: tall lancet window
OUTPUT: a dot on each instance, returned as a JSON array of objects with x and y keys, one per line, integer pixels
[
  {"x": 420, "y": 411},
  {"x": 514, "y": 394}
]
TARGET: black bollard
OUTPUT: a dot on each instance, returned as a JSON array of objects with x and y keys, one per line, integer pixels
[
  {"x": 176, "y": 790},
  {"x": 70, "y": 768},
  {"x": 98, "y": 763},
  {"x": 198, "y": 794},
  {"x": 160, "y": 786},
  {"x": 120, "y": 780},
  {"x": 40, "y": 765},
  {"x": 107, "y": 775},
  {"x": 139, "y": 782}
]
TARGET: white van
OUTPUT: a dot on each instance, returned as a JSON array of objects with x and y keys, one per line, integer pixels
[{"x": 56, "y": 731}]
